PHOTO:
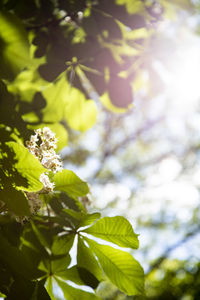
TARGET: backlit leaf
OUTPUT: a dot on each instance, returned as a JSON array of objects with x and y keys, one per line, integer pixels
[
  {"x": 67, "y": 181},
  {"x": 56, "y": 95},
  {"x": 120, "y": 267},
  {"x": 84, "y": 254},
  {"x": 14, "y": 49},
  {"x": 74, "y": 293},
  {"x": 116, "y": 230},
  {"x": 28, "y": 167},
  {"x": 80, "y": 113}
]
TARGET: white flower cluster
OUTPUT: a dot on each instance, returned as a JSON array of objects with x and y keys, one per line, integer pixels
[{"x": 42, "y": 145}]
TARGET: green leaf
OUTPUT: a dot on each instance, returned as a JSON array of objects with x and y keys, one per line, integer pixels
[
  {"x": 30, "y": 290},
  {"x": 72, "y": 202},
  {"x": 15, "y": 260},
  {"x": 120, "y": 267},
  {"x": 28, "y": 166},
  {"x": 89, "y": 219},
  {"x": 73, "y": 293},
  {"x": 71, "y": 274},
  {"x": 26, "y": 84},
  {"x": 81, "y": 219},
  {"x": 105, "y": 99},
  {"x": 2, "y": 295},
  {"x": 56, "y": 96},
  {"x": 88, "y": 278},
  {"x": 72, "y": 213},
  {"x": 68, "y": 182},
  {"x": 50, "y": 284},
  {"x": 133, "y": 6},
  {"x": 14, "y": 50},
  {"x": 116, "y": 230},
  {"x": 40, "y": 236},
  {"x": 80, "y": 113},
  {"x": 58, "y": 266},
  {"x": 15, "y": 201},
  {"x": 78, "y": 275},
  {"x": 55, "y": 266},
  {"x": 84, "y": 254},
  {"x": 62, "y": 244}
]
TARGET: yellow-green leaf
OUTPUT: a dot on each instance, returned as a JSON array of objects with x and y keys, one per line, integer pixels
[
  {"x": 80, "y": 114},
  {"x": 116, "y": 230},
  {"x": 67, "y": 181},
  {"x": 120, "y": 267}
]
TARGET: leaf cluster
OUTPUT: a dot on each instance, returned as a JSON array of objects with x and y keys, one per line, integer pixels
[{"x": 55, "y": 57}]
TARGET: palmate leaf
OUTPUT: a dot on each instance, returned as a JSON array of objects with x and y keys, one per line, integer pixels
[
  {"x": 116, "y": 230},
  {"x": 57, "y": 274},
  {"x": 120, "y": 267},
  {"x": 54, "y": 266},
  {"x": 53, "y": 284},
  {"x": 67, "y": 181},
  {"x": 28, "y": 166}
]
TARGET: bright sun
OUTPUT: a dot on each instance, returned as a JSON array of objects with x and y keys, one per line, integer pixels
[{"x": 183, "y": 82}]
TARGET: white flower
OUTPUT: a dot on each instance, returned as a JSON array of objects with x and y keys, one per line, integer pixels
[
  {"x": 48, "y": 185},
  {"x": 42, "y": 145},
  {"x": 45, "y": 151}
]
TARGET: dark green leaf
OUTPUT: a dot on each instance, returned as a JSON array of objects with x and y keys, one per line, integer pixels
[
  {"x": 25, "y": 289},
  {"x": 16, "y": 260},
  {"x": 88, "y": 278},
  {"x": 41, "y": 237},
  {"x": 16, "y": 201}
]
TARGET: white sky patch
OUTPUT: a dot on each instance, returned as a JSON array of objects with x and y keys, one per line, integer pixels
[
  {"x": 183, "y": 81},
  {"x": 110, "y": 192},
  {"x": 73, "y": 253},
  {"x": 180, "y": 193},
  {"x": 167, "y": 171}
]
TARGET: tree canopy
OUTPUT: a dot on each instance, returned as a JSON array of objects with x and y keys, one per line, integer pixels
[{"x": 65, "y": 67}]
